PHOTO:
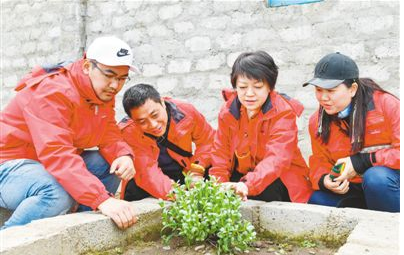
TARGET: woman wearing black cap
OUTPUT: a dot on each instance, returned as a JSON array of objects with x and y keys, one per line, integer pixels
[{"x": 356, "y": 130}]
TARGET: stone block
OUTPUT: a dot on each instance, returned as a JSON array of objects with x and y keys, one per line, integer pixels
[
  {"x": 220, "y": 6},
  {"x": 294, "y": 220},
  {"x": 123, "y": 21},
  {"x": 197, "y": 81},
  {"x": 240, "y": 19},
  {"x": 19, "y": 62},
  {"x": 210, "y": 63},
  {"x": 296, "y": 33},
  {"x": 159, "y": 31},
  {"x": 75, "y": 233},
  {"x": 373, "y": 25},
  {"x": 28, "y": 47},
  {"x": 132, "y": 5},
  {"x": 146, "y": 16},
  {"x": 169, "y": 12},
  {"x": 179, "y": 66},
  {"x": 108, "y": 9},
  {"x": 255, "y": 38},
  {"x": 218, "y": 23},
  {"x": 54, "y": 32},
  {"x": 219, "y": 81},
  {"x": 355, "y": 249},
  {"x": 198, "y": 43},
  {"x": 200, "y": 10},
  {"x": 94, "y": 26},
  {"x": 229, "y": 41},
  {"x": 373, "y": 233},
  {"x": 295, "y": 77},
  {"x": 183, "y": 27},
  {"x": 250, "y": 210},
  {"x": 146, "y": 53},
  {"x": 166, "y": 84},
  {"x": 133, "y": 37},
  {"x": 151, "y": 70},
  {"x": 388, "y": 49},
  {"x": 22, "y": 8},
  {"x": 378, "y": 72}
]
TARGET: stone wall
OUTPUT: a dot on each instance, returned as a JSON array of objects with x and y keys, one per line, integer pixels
[{"x": 186, "y": 48}]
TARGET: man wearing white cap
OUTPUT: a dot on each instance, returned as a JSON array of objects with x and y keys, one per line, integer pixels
[{"x": 57, "y": 113}]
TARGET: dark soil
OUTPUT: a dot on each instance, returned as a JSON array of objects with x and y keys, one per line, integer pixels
[{"x": 261, "y": 247}]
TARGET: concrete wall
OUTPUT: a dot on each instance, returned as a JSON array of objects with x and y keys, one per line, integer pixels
[{"x": 187, "y": 48}]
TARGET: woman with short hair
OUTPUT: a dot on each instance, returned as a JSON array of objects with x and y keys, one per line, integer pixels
[{"x": 255, "y": 148}]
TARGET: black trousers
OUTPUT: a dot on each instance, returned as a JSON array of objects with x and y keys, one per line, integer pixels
[
  {"x": 134, "y": 193},
  {"x": 276, "y": 191}
]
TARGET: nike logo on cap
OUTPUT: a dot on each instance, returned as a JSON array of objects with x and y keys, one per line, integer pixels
[{"x": 122, "y": 53}]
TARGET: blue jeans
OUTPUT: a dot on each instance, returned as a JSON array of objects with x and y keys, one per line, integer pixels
[
  {"x": 32, "y": 193},
  {"x": 380, "y": 190}
]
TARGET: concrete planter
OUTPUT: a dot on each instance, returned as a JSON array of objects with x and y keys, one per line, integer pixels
[{"x": 366, "y": 232}]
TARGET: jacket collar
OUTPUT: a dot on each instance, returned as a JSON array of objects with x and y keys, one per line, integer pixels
[
  {"x": 236, "y": 105},
  {"x": 175, "y": 113}
]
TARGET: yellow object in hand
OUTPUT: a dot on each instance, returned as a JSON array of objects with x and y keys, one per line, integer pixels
[{"x": 197, "y": 169}]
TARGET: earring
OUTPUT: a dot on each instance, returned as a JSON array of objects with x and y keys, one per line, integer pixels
[
  {"x": 320, "y": 121},
  {"x": 353, "y": 126}
]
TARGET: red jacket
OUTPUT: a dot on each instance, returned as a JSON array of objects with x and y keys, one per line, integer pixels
[
  {"x": 382, "y": 128},
  {"x": 268, "y": 143},
  {"x": 187, "y": 126},
  {"x": 52, "y": 119}
]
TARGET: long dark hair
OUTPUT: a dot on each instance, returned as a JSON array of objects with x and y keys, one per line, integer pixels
[{"x": 357, "y": 116}]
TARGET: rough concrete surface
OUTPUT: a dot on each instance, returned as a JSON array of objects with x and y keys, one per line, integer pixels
[{"x": 370, "y": 232}]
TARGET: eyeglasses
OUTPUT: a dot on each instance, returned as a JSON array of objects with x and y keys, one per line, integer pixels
[{"x": 109, "y": 76}]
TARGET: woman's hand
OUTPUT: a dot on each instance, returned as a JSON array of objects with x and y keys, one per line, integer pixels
[
  {"x": 348, "y": 172},
  {"x": 239, "y": 188},
  {"x": 335, "y": 186}
]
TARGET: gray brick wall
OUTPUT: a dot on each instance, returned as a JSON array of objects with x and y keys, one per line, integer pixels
[{"x": 186, "y": 48}]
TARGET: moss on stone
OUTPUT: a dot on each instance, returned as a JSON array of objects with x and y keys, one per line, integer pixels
[{"x": 329, "y": 241}]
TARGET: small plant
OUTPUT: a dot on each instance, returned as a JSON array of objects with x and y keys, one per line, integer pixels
[
  {"x": 207, "y": 212},
  {"x": 308, "y": 244}
]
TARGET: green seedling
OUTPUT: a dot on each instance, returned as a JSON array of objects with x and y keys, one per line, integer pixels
[{"x": 206, "y": 212}]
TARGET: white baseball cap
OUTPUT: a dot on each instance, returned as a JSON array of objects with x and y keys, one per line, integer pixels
[{"x": 111, "y": 51}]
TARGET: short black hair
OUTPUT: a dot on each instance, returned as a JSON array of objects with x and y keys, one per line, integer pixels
[
  {"x": 137, "y": 95},
  {"x": 257, "y": 65}
]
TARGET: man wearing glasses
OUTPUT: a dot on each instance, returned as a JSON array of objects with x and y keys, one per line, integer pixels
[{"x": 57, "y": 113}]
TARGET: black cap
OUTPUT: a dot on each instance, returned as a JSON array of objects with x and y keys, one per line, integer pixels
[{"x": 332, "y": 70}]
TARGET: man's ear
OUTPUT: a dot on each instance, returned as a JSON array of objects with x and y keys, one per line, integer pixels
[
  {"x": 86, "y": 66},
  {"x": 162, "y": 103}
]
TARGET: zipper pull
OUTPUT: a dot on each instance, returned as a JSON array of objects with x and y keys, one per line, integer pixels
[{"x": 96, "y": 110}]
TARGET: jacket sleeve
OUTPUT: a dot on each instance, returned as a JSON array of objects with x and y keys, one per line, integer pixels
[
  {"x": 112, "y": 144},
  {"x": 222, "y": 154},
  {"x": 202, "y": 135},
  {"x": 47, "y": 116},
  {"x": 319, "y": 161},
  {"x": 390, "y": 157},
  {"x": 279, "y": 152},
  {"x": 148, "y": 175}
]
